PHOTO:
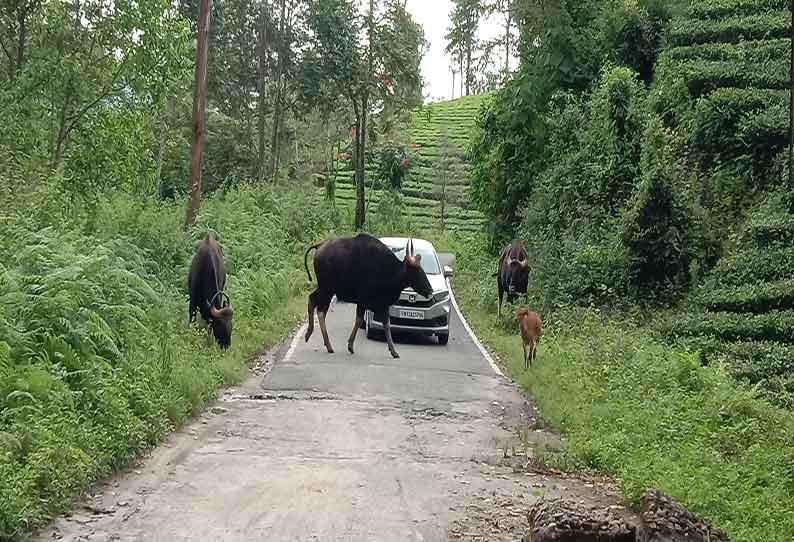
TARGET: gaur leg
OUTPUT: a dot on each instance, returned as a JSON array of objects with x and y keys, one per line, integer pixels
[
  {"x": 312, "y": 305},
  {"x": 534, "y": 350},
  {"x": 359, "y": 321},
  {"x": 525, "y": 355},
  {"x": 323, "y": 303},
  {"x": 191, "y": 313},
  {"x": 387, "y": 329}
]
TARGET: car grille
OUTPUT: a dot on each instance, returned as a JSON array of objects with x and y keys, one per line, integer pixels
[
  {"x": 433, "y": 322},
  {"x": 418, "y": 304}
]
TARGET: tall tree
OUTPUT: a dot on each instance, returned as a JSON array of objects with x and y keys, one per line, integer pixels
[
  {"x": 199, "y": 106},
  {"x": 15, "y": 16},
  {"x": 370, "y": 60},
  {"x": 462, "y": 37}
]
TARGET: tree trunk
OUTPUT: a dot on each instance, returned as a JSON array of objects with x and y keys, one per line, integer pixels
[
  {"x": 161, "y": 145},
  {"x": 468, "y": 65},
  {"x": 23, "y": 30},
  {"x": 462, "y": 73},
  {"x": 791, "y": 115},
  {"x": 361, "y": 143},
  {"x": 199, "y": 105},
  {"x": 262, "y": 100},
  {"x": 509, "y": 15},
  {"x": 278, "y": 107}
]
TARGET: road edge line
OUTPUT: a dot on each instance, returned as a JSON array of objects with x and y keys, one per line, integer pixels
[
  {"x": 294, "y": 344},
  {"x": 474, "y": 338}
]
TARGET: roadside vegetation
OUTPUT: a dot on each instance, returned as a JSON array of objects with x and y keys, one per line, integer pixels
[
  {"x": 640, "y": 152},
  {"x": 649, "y": 414}
]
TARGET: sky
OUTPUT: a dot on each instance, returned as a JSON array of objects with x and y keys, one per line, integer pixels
[{"x": 433, "y": 15}]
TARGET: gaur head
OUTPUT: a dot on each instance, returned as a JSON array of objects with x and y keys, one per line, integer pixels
[
  {"x": 517, "y": 262},
  {"x": 221, "y": 323},
  {"x": 415, "y": 276}
]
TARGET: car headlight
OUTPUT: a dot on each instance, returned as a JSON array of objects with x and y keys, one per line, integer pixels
[{"x": 441, "y": 296}]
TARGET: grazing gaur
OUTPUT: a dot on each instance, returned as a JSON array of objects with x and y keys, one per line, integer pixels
[
  {"x": 364, "y": 271},
  {"x": 205, "y": 283},
  {"x": 531, "y": 327},
  {"x": 512, "y": 273}
]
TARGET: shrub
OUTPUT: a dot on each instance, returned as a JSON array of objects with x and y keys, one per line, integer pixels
[
  {"x": 632, "y": 38},
  {"x": 750, "y": 297},
  {"x": 770, "y": 326},
  {"x": 718, "y": 9},
  {"x": 744, "y": 51},
  {"x": 761, "y": 26},
  {"x": 393, "y": 162}
]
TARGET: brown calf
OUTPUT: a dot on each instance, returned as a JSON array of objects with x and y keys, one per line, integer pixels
[{"x": 531, "y": 327}]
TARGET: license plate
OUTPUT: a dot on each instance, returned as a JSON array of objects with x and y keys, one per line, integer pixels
[{"x": 412, "y": 315}]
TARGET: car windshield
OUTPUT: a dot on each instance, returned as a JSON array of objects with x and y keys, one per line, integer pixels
[{"x": 429, "y": 261}]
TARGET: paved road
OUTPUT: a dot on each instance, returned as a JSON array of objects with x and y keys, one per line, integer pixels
[{"x": 332, "y": 447}]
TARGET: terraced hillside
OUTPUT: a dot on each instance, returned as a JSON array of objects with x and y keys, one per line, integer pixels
[
  {"x": 422, "y": 194},
  {"x": 730, "y": 58}
]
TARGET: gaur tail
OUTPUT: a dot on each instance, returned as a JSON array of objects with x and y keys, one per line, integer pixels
[{"x": 305, "y": 256}]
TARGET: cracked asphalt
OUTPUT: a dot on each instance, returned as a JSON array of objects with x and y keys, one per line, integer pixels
[{"x": 317, "y": 446}]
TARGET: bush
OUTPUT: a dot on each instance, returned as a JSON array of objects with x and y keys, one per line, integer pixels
[
  {"x": 718, "y": 9},
  {"x": 770, "y": 326},
  {"x": 632, "y": 38},
  {"x": 761, "y": 26},
  {"x": 743, "y": 51},
  {"x": 393, "y": 162},
  {"x": 704, "y": 76},
  {"x": 754, "y": 298},
  {"x": 753, "y": 265}
]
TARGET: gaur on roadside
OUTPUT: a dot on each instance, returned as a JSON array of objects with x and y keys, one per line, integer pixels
[
  {"x": 531, "y": 327},
  {"x": 512, "y": 273},
  {"x": 364, "y": 271},
  {"x": 206, "y": 281}
]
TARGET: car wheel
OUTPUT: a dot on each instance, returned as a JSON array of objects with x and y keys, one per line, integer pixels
[
  {"x": 443, "y": 339},
  {"x": 370, "y": 332}
]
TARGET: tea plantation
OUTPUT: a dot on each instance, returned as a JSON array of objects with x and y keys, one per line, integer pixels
[
  {"x": 729, "y": 58},
  {"x": 428, "y": 129}
]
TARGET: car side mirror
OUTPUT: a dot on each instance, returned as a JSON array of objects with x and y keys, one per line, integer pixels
[{"x": 447, "y": 271}]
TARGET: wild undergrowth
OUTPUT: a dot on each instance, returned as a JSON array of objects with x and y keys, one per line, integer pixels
[
  {"x": 650, "y": 415},
  {"x": 97, "y": 359}
]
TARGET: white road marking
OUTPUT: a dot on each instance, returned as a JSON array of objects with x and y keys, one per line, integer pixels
[
  {"x": 474, "y": 338},
  {"x": 294, "y": 344}
]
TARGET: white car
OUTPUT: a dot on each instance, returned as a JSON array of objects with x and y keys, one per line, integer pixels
[{"x": 414, "y": 313}]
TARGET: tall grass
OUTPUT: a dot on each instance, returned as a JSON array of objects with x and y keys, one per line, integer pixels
[{"x": 97, "y": 360}]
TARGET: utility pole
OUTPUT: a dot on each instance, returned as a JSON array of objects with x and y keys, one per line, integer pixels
[{"x": 199, "y": 107}]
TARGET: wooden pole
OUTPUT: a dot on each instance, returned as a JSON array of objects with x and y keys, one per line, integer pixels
[{"x": 199, "y": 107}]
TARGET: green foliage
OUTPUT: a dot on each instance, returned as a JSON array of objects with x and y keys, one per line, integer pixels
[
  {"x": 758, "y": 26},
  {"x": 633, "y": 38},
  {"x": 394, "y": 160},
  {"x": 745, "y": 51},
  {"x": 648, "y": 414},
  {"x": 96, "y": 358},
  {"x": 755, "y": 298},
  {"x": 718, "y": 9}
]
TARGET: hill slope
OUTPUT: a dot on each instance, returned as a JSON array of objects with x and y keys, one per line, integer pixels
[
  {"x": 730, "y": 56},
  {"x": 429, "y": 127}
]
